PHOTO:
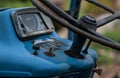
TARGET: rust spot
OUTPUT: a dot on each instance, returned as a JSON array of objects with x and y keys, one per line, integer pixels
[{"x": 51, "y": 54}]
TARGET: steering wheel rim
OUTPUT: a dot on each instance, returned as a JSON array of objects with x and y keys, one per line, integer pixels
[{"x": 98, "y": 38}]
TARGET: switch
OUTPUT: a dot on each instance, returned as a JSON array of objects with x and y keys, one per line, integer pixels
[{"x": 50, "y": 52}]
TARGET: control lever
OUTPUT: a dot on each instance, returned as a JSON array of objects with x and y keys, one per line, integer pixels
[{"x": 50, "y": 52}]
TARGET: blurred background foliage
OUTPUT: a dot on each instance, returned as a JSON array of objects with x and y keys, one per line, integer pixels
[
  {"x": 14, "y": 3},
  {"x": 107, "y": 56}
]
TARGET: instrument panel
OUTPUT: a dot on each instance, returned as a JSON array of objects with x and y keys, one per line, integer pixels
[
  {"x": 30, "y": 23},
  {"x": 43, "y": 53}
]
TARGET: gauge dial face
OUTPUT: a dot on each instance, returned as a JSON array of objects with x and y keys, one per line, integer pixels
[{"x": 31, "y": 23}]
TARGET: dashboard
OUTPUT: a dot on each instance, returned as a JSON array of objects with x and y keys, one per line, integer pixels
[
  {"x": 30, "y": 23},
  {"x": 39, "y": 51}
]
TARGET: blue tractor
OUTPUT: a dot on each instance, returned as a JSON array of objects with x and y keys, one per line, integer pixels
[{"x": 30, "y": 46}]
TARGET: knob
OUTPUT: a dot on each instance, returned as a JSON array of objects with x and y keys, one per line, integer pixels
[
  {"x": 50, "y": 52},
  {"x": 36, "y": 47}
]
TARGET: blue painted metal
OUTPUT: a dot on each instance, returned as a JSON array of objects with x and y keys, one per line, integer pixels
[
  {"x": 75, "y": 8},
  {"x": 17, "y": 59},
  {"x": 74, "y": 11}
]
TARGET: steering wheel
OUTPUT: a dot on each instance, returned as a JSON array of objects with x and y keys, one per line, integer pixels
[{"x": 74, "y": 25}]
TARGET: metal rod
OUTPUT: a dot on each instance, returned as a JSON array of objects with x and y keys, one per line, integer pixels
[
  {"x": 86, "y": 48},
  {"x": 95, "y": 2},
  {"x": 108, "y": 19},
  {"x": 74, "y": 12},
  {"x": 75, "y": 8}
]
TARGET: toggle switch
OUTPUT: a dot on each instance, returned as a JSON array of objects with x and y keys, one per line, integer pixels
[{"x": 50, "y": 52}]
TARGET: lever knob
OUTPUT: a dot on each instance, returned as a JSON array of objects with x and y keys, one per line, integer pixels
[
  {"x": 36, "y": 47},
  {"x": 50, "y": 52}
]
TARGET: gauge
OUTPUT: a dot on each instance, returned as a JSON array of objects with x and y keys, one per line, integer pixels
[{"x": 30, "y": 23}]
